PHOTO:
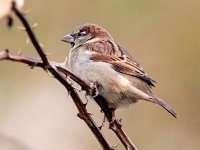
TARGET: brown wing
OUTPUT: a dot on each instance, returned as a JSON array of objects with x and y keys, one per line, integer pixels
[
  {"x": 120, "y": 59},
  {"x": 123, "y": 66}
]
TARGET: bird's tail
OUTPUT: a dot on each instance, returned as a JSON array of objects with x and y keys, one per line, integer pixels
[{"x": 166, "y": 106}]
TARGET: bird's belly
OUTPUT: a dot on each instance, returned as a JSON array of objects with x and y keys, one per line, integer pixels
[{"x": 113, "y": 87}]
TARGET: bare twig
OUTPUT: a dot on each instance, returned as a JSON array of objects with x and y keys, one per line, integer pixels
[
  {"x": 83, "y": 114},
  {"x": 5, "y": 55},
  {"x": 115, "y": 125},
  {"x": 56, "y": 71},
  {"x": 37, "y": 62}
]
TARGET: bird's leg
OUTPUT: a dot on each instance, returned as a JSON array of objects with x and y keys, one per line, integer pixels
[
  {"x": 94, "y": 89},
  {"x": 93, "y": 92}
]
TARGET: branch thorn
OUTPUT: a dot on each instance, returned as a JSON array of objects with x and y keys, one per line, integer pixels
[
  {"x": 27, "y": 11},
  {"x": 27, "y": 41},
  {"x": 34, "y": 25},
  {"x": 21, "y": 28},
  {"x": 20, "y": 51},
  {"x": 115, "y": 146}
]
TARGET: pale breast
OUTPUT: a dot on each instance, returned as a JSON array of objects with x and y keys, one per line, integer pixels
[
  {"x": 89, "y": 70},
  {"x": 114, "y": 87}
]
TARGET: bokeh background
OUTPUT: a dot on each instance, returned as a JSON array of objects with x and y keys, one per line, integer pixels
[{"x": 162, "y": 35}]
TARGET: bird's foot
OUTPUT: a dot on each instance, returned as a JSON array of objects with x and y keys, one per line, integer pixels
[{"x": 94, "y": 89}]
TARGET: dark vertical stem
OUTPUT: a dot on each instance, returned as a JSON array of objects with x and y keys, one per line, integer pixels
[{"x": 83, "y": 114}]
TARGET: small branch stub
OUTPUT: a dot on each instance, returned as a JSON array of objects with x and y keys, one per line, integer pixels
[{"x": 60, "y": 73}]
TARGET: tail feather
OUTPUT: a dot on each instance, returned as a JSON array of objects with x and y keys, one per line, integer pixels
[{"x": 165, "y": 106}]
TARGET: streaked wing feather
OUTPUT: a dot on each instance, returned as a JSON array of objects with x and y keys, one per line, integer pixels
[
  {"x": 123, "y": 66},
  {"x": 109, "y": 47},
  {"x": 133, "y": 71},
  {"x": 130, "y": 59}
]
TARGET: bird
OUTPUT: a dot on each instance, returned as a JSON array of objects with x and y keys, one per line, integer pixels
[{"x": 97, "y": 58}]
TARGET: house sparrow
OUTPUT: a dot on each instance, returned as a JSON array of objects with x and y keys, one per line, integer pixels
[{"x": 97, "y": 58}]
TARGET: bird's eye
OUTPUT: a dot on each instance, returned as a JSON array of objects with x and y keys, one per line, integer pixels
[{"x": 81, "y": 33}]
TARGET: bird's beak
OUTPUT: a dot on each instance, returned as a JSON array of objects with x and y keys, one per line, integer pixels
[{"x": 68, "y": 38}]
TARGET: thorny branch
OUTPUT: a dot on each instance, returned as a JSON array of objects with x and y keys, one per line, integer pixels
[
  {"x": 57, "y": 71},
  {"x": 51, "y": 68}
]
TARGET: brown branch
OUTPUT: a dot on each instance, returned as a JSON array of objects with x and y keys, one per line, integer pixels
[
  {"x": 31, "y": 35},
  {"x": 5, "y": 55},
  {"x": 83, "y": 114},
  {"x": 37, "y": 62},
  {"x": 55, "y": 69},
  {"x": 115, "y": 125}
]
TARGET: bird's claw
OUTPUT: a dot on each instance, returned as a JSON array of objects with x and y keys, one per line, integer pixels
[{"x": 94, "y": 89}]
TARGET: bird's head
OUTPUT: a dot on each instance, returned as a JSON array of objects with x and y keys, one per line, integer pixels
[{"x": 86, "y": 33}]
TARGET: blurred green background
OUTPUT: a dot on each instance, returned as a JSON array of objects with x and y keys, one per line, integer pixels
[{"x": 163, "y": 35}]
